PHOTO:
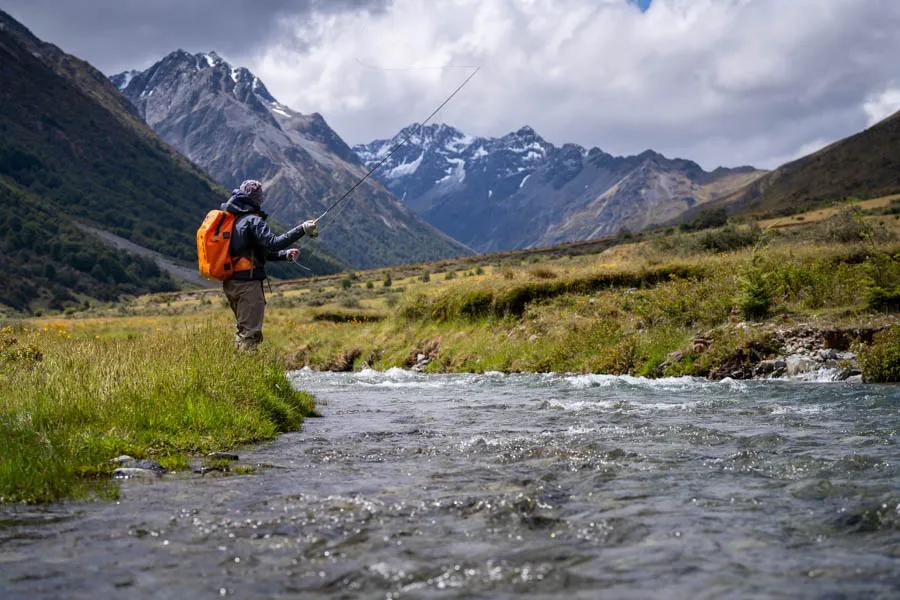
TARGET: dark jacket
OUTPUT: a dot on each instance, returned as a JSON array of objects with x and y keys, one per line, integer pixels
[{"x": 252, "y": 238}]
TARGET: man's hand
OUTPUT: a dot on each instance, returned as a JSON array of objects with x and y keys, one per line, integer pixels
[
  {"x": 292, "y": 254},
  {"x": 310, "y": 228}
]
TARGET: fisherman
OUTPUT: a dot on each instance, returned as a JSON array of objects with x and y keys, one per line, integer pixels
[{"x": 252, "y": 244}]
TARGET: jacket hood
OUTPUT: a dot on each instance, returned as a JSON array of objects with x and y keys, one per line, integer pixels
[{"x": 241, "y": 204}]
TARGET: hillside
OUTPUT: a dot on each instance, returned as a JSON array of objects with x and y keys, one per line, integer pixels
[
  {"x": 70, "y": 151},
  {"x": 864, "y": 165},
  {"x": 519, "y": 190},
  {"x": 225, "y": 120}
]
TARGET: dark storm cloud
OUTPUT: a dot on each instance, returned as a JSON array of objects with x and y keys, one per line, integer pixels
[{"x": 115, "y": 35}]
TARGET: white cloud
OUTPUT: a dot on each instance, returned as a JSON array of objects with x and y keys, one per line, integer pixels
[
  {"x": 720, "y": 81},
  {"x": 882, "y": 105}
]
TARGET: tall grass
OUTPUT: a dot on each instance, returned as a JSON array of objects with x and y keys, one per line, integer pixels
[{"x": 67, "y": 406}]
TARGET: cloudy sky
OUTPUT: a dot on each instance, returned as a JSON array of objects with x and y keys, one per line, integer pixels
[{"x": 723, "y": 82}]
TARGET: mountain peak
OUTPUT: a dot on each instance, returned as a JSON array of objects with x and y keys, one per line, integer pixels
[{"x": 217, "y": 73}]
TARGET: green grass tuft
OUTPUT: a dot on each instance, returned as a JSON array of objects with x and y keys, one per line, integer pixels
[{"x": 64, "y": 415}]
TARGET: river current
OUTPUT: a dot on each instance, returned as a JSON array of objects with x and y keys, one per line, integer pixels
[{"x": 498, "y": 486}]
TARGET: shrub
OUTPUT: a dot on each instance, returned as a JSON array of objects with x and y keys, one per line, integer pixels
[
  {"x": 425, "y": 277},
  {"x": 350, "y": 302},
  {"x": 884, "y": 272},
  {"x": 847, "y": 226},
  {"x": 730, "y": 238},
  {"x": 755, "y": 298},
  {"x": 386, "y": 281},
  {"x": 542, "y": 273},
  {"x": 887, "y": 300},
  {"x": 346, "y": 283},
  {"x": 450, "y": 275},
  {"x": 479, "y": 271},
  {"x": 370, "y": 285},
  {"x": 880, "y": 361},
  {"x": 707, "y": 219}
]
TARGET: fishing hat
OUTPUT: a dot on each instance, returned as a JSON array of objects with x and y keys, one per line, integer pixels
[{"x": 253, "y": 190}]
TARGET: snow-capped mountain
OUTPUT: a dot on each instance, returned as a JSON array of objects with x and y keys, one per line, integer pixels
[
  {"x": 225, "y": 120},
  {"x": 519, "y": 190},
  {"x": 440, "y": 161}
]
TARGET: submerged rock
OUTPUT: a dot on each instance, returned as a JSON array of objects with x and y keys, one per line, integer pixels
[
  {"x": 129, "y": 462},
  {"x": 223, "y": 456},
  {"x": 134, "y": 473}
]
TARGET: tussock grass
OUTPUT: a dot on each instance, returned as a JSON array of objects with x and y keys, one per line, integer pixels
[
  {"x": 498, "y": 300},
  {"x": 68, "y": 405}
]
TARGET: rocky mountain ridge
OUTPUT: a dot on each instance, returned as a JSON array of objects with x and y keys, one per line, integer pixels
[{"x": 519, "y": 190}]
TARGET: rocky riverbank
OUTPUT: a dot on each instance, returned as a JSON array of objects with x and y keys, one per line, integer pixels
[{"x": 802, "y": 352}]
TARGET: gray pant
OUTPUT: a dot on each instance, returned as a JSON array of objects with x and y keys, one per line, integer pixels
[{"x": 248, "y": 303}]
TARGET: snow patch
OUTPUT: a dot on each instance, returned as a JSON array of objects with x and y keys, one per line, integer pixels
[
  {"x": 524, "y": 179},
  {"x": 461, "y": 143},
  {"x": 479, "y": 152},
  {"x": 456, "y": 171},
  {"x": 280, "y": 112},
  {"x": 127, "y": 76},
  {"x": 211, "y": 59},
  {"x": 405, "y": 168}
]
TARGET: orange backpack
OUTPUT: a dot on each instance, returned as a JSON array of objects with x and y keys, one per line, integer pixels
[{"x": 213, "y": 241}]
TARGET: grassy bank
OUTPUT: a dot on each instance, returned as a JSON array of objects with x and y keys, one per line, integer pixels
[
  {"x": 71, "y": 402},
  {"x": 615, "y": 320},
  {"x": 624, "y": 310}
]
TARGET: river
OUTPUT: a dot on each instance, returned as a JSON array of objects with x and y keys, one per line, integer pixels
[{"x": 497, "y": 486}]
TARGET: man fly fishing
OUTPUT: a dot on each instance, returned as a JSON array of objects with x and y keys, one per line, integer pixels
[{"x": 234, "y": 244}]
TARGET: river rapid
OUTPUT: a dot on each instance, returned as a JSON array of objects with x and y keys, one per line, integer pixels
[{"x": 497, "y": 486}]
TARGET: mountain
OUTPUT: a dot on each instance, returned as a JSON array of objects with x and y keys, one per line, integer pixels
[
  {"x": 225, "y": 120},
  {"x": 519, "y": 190},
  {"x": 79, "y": 170},
  {"x": 864, "y": 165}
]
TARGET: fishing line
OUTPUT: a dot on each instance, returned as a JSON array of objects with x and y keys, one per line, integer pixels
[
  {"x": 399, "y": 145},
  {"x": 429, "y": 68},
  {"x": 406, "y": 139}
]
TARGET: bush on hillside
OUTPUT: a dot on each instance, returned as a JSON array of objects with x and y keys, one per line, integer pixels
[
  {"x": 730, "y": 238},
  {"x": 884, "y": 293},
  {"x": 848, "y": 226},
  {"x": 880, "y": 361},
  {"x": 755, "y": 297},
  {"x": 707, "y": 219}
]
